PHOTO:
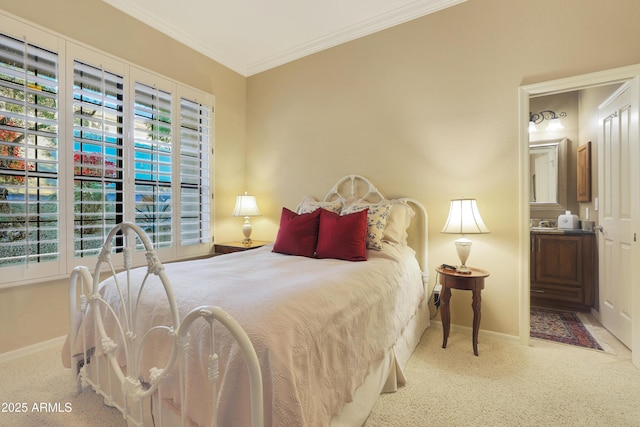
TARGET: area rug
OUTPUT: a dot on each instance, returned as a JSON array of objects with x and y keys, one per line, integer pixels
[{"x": 562, "y": 326}]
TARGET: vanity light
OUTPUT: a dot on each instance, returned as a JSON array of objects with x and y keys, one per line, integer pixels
[
  {"x": 464, "y": 218},
  {"x": 551, "y": 116},
  {"x": 246, "y": 206},
  {"x": 554, "y": 125}
]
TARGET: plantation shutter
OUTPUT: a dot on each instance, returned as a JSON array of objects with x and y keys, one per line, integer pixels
[
  {"x": 153, "y": 163},
  {"x": 97, "y": 156},
  {"x": 29, "y": 180},
  {"x": 195, "y": 206}
]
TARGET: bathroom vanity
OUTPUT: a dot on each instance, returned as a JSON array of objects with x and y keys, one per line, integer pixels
[{"x": 563, "y": 268}]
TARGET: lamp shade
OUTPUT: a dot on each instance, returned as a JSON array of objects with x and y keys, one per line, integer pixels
[
  {"x": 555, "y": 124},
  {"x": 246, "y": 206},
  {"x": 464, "y": 218}
]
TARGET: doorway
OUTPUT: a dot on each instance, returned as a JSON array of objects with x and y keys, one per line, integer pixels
[{"x": 616, "y": 76}]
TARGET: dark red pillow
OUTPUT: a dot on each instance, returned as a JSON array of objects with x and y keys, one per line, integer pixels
[
  {"x": 298, "y": 234},
  {"x": 342, "y": 237}
]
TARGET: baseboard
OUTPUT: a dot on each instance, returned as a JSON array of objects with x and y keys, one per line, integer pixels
[
  {"x": 595, "y": 313},
  {"x": 481, "y": 333},
  {"x": 35, "y": 348}
]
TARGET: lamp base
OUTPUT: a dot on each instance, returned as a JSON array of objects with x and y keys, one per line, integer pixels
[
  {"x": 246, "y": 230},
  {"x": 463, "y": 269},
  {"x": 463, "y": 247}
]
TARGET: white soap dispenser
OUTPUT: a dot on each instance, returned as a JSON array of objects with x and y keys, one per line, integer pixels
[{"x": 568, "y": 221}]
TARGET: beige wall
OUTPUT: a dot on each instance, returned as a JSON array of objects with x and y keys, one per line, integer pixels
[
  {"x": 429, "y": 109},
  {"x": 34, "y": 313},
  {"x": 426, "y": 109}
]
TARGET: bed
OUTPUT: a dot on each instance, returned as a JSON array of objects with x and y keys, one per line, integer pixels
[{"x": 330, "y": 330}]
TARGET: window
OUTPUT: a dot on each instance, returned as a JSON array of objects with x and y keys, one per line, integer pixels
[
  {"x": 195, "y": 125},
  {"x": 98, "y": 184},
  {"x": 153, "y": 142},
  {"x": 114, "y": 142},
  {"x": 29, "y": 172}
]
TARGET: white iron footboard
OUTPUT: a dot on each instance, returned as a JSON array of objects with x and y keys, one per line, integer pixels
[{"x": 97, "y": 364}]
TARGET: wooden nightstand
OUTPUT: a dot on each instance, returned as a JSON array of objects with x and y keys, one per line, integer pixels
[
  {"x": 230, "y": 247},
  {"x": 473, "y": 282}
]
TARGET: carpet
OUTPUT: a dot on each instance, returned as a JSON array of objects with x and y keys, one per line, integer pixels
[
  {"x": 562, "y": 326},
  {"x": 509, "y": 384}
]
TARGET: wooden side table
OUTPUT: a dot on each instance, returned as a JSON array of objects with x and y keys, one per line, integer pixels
[
  {"x": 230, "y": 247},
  {"x": 473, "y": 282}
]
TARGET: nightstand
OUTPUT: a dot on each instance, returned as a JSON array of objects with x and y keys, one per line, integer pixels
[
  {"x": 473, "y": 282},
  {"x": 231, "y": 247}
]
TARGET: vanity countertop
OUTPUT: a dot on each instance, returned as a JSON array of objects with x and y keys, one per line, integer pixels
[{"x": 548, "y": 230}]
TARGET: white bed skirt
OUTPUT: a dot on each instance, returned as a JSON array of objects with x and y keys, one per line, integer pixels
[{"x": 386, "y": 375}]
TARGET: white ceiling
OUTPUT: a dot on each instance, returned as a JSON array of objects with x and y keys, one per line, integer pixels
[{"x": 250, "y": 36}]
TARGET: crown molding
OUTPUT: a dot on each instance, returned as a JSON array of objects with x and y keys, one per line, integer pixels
[
  {"x": 170, "y": 30},
  {"x": 394, "y": 17}
]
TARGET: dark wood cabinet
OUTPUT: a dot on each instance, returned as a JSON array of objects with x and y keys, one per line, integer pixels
[
  {"x": 563, "y": 270},
  {"x": 584, "y": 173}
]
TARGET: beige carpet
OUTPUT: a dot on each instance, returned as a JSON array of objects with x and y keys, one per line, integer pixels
[{"x": 545, "y": 384}]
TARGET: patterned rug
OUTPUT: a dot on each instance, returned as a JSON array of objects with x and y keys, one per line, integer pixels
[{"x": 561, "y": 326}]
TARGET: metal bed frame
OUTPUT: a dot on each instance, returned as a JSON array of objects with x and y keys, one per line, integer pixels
[{"x": 125, "y": 390}]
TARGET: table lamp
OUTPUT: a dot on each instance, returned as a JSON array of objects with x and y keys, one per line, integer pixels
[
  {"x": 464, "y": 218},
  {"x": 246, "y": 206}
]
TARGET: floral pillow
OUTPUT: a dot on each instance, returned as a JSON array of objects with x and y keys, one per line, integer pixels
[
  {"x": 377, "y": 217},
  {"x": 309, "y": 204}
]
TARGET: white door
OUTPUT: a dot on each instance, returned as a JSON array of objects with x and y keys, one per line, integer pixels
[{"x": 618, "y": 134}]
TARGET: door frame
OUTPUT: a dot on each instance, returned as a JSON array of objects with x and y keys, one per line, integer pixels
[{"x": 584, "y": 81}]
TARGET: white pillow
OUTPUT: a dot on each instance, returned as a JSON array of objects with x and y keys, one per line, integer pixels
[
  {"x": 377, "y": 218},
  {"x": 309, "y": 204},
  {"x": 399, "y": 221}
]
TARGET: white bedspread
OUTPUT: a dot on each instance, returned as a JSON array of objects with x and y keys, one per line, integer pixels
[{"x": 317, "y": 327}]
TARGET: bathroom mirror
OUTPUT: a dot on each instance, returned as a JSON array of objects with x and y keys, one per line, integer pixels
[{"x": 548, "y": 174}]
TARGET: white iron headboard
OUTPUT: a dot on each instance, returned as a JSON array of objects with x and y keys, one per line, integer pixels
[{"x": 359, "y": 187}]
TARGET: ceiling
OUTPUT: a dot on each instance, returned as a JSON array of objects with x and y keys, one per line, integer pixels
[{"x": 250, "y": 36}]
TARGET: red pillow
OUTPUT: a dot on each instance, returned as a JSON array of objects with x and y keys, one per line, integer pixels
[
  {"x": 342, "y": 237},
  {"x": 298, "y": 234}
]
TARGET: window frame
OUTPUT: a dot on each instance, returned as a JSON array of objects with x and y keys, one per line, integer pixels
[
  {"x": 68, "y": 52},
  {"x": 27, "y": 272},
  {"x": 90, "y": 59},
  {"x": 161, "y": 84},
  {"x": 206, "y": 149}
]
